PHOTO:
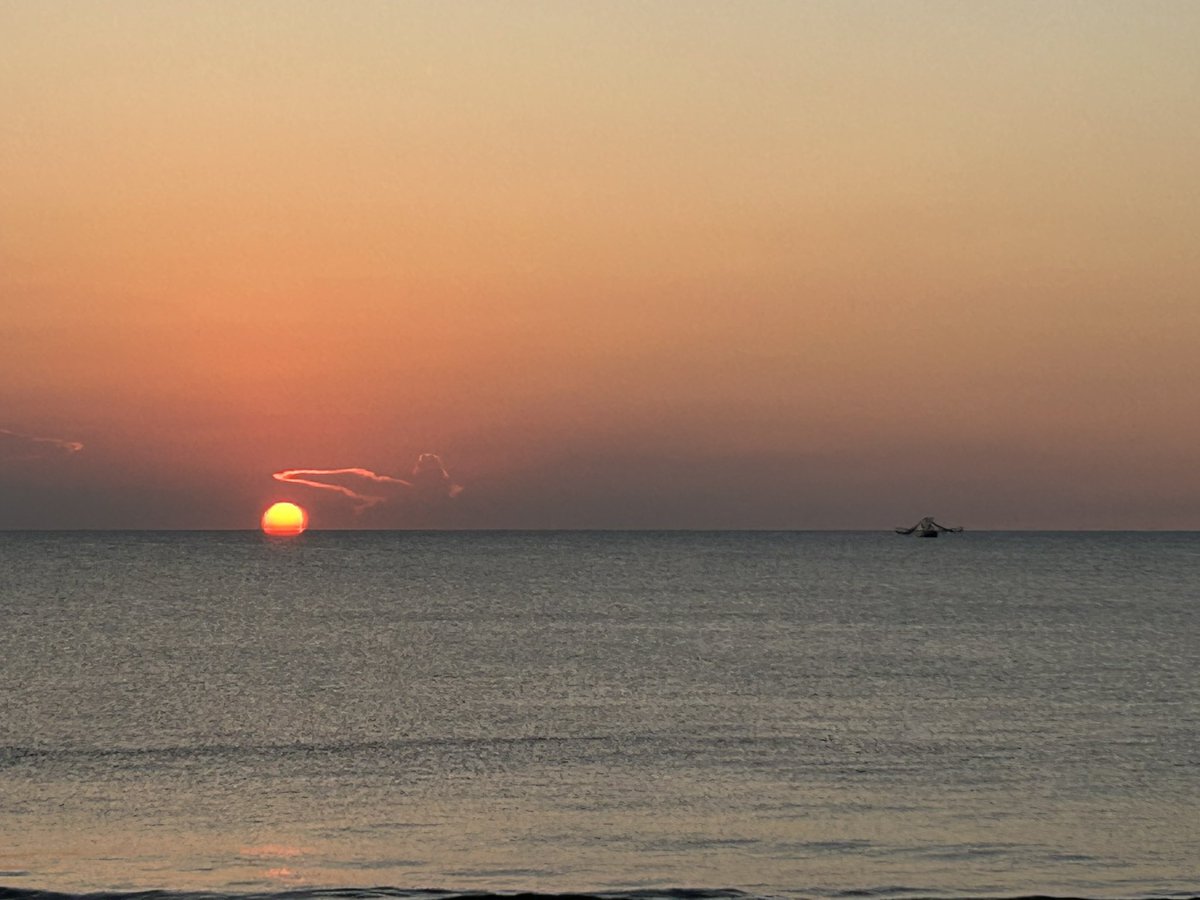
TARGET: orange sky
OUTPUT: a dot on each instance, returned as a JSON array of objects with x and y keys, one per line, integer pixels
[{"x": 683, "y": 264}]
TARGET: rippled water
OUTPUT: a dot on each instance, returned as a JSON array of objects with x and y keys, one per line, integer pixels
[{"x": 778, "y": 714}]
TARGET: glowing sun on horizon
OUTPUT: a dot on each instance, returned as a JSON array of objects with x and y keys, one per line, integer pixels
[{"x": 284, "y": 519}]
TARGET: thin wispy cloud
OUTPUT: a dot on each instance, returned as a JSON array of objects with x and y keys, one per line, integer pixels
[
  {"x": 428, "y": 481},
  {"x": 16, "y": 446}
]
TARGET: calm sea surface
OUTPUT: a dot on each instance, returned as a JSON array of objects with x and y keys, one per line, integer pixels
[{"x": 781, "y": 714}]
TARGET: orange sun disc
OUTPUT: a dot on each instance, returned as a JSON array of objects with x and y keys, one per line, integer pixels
[{"x": 284, "y": 519}]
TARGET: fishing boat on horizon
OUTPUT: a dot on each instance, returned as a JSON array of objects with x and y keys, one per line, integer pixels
[{"x": 928, "y": 528}]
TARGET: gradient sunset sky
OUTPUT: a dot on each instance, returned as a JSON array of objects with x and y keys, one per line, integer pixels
[{"x": 618, "y": 264}]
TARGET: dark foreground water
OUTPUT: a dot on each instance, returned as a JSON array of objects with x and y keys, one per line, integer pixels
[{"x": 676, "y": 715}]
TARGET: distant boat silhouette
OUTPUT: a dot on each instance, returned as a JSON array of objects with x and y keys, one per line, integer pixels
[{"x": 927, "y": 528}]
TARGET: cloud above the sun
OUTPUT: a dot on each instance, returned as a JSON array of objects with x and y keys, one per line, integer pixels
[{"x": 427, "y": 482}]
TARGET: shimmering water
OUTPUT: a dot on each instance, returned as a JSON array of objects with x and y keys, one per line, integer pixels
[{"x": 774, "y": 713}]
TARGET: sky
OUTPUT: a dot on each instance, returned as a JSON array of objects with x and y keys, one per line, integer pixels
[{"x": 695, "y": 264}]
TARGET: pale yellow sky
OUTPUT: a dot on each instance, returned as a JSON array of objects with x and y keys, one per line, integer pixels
[{"x": 621, "y": 264}]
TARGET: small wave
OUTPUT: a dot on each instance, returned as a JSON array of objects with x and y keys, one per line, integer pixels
[
  {"x": 381, "y": 893},
  {"x": 386, "y": 893}
]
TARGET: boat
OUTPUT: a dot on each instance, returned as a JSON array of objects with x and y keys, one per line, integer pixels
[{"x": 928, "y": 528}]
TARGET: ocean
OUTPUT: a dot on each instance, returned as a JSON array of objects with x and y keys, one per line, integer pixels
[{"x": 633, "y": 715}]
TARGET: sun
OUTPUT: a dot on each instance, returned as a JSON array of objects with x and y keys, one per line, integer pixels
[{"x": 284, "y": 519}]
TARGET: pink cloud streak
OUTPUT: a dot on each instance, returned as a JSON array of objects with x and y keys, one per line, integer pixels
[{"x": 429, "y": 479}]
